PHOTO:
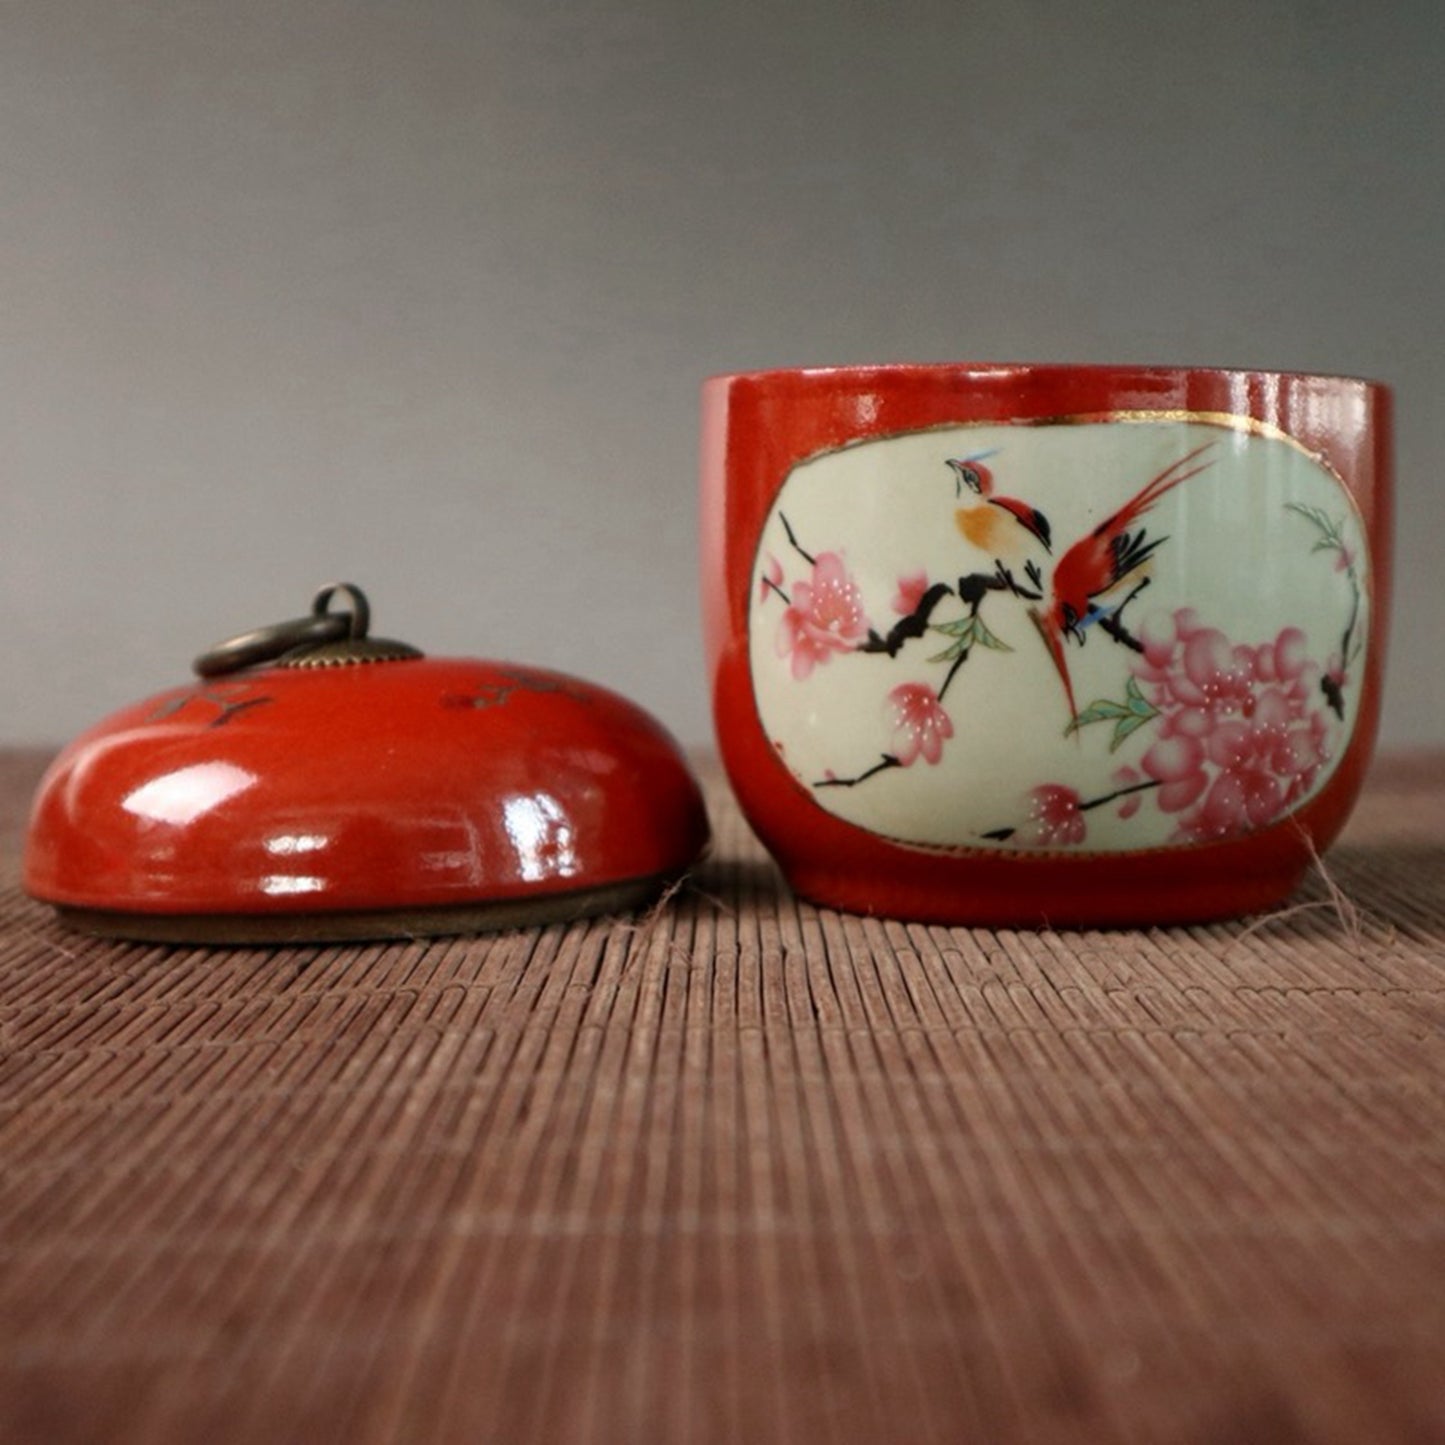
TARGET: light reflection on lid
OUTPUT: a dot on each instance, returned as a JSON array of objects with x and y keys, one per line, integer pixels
[
  {"x": 542, "y": 835},
  {"x": 188, "y": 793},
  {"x": 285, "y": 844},
  {"x": 275, "y": 884}
]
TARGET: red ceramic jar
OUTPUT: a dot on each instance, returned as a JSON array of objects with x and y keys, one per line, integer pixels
[
  {"x": 354, "y": 792},
  {"x": 1029, "y": 645}
]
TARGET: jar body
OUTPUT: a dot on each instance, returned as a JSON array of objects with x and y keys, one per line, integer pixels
[{"x": 1027, "y": 645}]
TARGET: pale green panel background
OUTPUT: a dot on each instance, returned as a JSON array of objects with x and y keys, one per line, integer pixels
[
  {"x": 1229, "y": 549},
  {"x": 419, "y": 294}
]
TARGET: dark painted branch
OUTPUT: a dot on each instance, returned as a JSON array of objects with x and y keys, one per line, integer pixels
[
  {"x": 1002, "y": 835},
  {"x": 914, "y": 625},
  {"x": 887, "y": 761},
  {"x": 808, "y": 557},
  {"x": 1119, "y": 793},
  {"x": 1112, "y": 624}
]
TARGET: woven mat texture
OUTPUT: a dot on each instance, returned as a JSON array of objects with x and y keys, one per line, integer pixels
[{"x": 741, "y": 1170}]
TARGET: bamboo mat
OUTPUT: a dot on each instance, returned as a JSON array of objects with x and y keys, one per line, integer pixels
[{"x": 742, "y": 1171}]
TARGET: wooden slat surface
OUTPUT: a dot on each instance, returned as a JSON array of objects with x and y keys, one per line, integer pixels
[{"x": 740, "y": 1171}]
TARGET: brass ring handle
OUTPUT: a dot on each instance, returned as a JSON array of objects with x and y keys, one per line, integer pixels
[{"x": 266, "y": 644}]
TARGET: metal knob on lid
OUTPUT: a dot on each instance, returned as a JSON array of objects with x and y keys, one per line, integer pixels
[
  {"x": 321, "y": 639},
  {"x": 319, "y": 783}
]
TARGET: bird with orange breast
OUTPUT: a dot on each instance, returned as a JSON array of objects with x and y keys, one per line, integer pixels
[
  {"x": 993, "y": 523},
  {"x": 1097, "y": 564}
]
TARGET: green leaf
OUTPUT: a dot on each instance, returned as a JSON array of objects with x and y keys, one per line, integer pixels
[
  {"x": 1129, "y": 725},
  {"x": 1139, "y": 705},
  {"x": 970, "y": 631},
  {"x": 1314, "y": 514},
  {"x": 1103, "y": 711},
  {"x": 1127, "y": 716},
  {"x": 961, "y": 627},
  {"x": 1328, "y": 527},
  {"x": 962, "y": 632},
  {"x": 984, "y": 638}
]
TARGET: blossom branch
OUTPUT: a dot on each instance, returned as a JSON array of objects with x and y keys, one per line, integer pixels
[
  {"x": 1332, "y": 539},
  {"x": 1119, "y": 793},
  {"x": 1332, "y": 684},
  {"x": 1063, "y": 804},
  {"x": 915, "y": 624},
  {"x": 885, "y": 762},
  {"x": 1111, "y": 622},
  {"x": 794, "y": 543}
]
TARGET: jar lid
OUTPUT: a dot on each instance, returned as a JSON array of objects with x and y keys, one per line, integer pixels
[{"x": 319, "y": 784}]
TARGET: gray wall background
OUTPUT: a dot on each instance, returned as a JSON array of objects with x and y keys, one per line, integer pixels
[{"x": 419, "y": 294}]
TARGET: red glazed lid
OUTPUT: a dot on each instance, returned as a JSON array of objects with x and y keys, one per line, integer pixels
[{"x": 318, "y": 783}]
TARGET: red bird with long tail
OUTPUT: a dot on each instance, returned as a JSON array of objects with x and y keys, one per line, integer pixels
[{"x": 1098, "y": 562}]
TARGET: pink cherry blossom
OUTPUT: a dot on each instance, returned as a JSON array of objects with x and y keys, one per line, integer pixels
[
  {"x": 921, "y": 726},
  {"x": 1176, "y": 763},
  {"x": 910, "y": 593},
  {"x": 1289, "y": 654},
  {"x": 1240, "y": 738},
  {"x": 1127, "y": 777},
  {"x": 824, "y": 617},
  {"x": 1055, "y": 819}
]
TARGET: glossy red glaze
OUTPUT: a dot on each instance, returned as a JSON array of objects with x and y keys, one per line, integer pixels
[
  {"x": 756, "y": 427},
  {"x": 418, "y": 784}
]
